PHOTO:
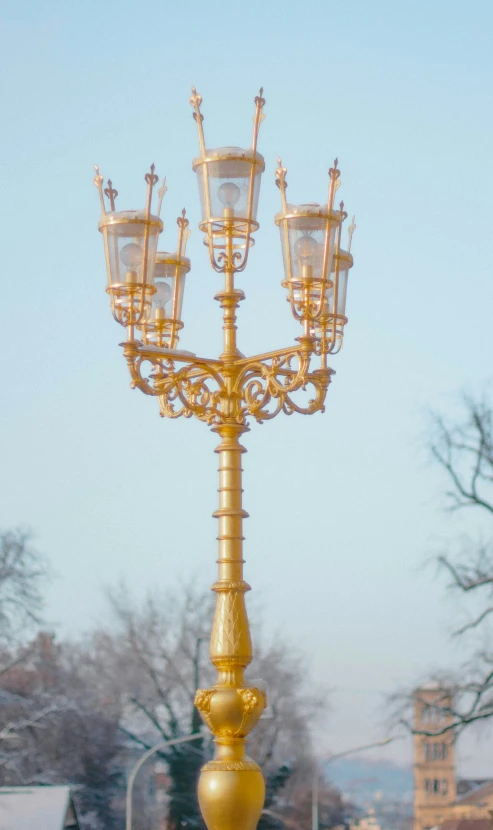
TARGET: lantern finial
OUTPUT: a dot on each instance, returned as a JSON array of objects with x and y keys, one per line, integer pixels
[
  {"x": 98, "y": 181},
  {"x": 160, "y": 196},
  {"x": 151, "y": 180},
  {"x": 334, "y": 174},
  {"x": 258, "y": 117},
  {"x": 183, "y": 233},
  {"x": 111, "y": 194},
  {"x": 196, "y": 101},
  {"x": 281, "y": 182},
  {"x": 351, "y": 230}
]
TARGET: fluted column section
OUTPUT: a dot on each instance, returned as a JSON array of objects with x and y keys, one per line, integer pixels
[{"x": 231, "y": 786}]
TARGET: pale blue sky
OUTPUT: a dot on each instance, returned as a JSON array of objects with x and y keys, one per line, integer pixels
[{"x": 344, "y": 506}]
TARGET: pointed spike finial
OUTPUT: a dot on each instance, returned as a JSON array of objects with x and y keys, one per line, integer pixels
[
  {"x": 160, "y": 196},
  {"x": 151, "y": 180},
  {"x": 196, "y": 101},
  {"x": 98, "y": 181},
  {"x": 98, "y": 178},
  {"x": 150, "y": 177},
  {"x": 334, "y": 171},
  {"x": 182, "y": 220},
  {"x": 334, "y": 174},
  {"x": 183, "y": 233},
  {"x": 111, "y": 193},
  {"x": 281, "y": 175},
  {"x": 351, "y": 230},
  {"x": 281, "y": 182},
  {"x": 259, "y": 116}
]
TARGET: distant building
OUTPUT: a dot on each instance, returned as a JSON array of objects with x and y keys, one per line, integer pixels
[
  {"x": 438, "y": 796},
  {"x": 368, "y": 822},
  {"x": 37, "y": 808}
]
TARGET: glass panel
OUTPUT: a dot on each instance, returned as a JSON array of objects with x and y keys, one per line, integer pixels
[
  {"x": 306, "y": 238},
  {"x": 169, "y": 279},
  {"x": 342, "y": 292},
  {"x": 126, "y": 243},
  {"x": 227, "y": 184}
]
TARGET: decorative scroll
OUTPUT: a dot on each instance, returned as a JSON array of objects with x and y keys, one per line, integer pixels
[
  {"x": 267, "y": 387},
  {"x": 260, "y": 388},
  {"x": 191, "y": 392}
]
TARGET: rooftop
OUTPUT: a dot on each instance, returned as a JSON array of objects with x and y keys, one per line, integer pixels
[{"x": 37, "y": 808}]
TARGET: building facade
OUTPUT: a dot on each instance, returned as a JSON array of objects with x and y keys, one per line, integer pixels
[
  {"x": 438, "y": 795},
  {"x": 434, "y": 758}
]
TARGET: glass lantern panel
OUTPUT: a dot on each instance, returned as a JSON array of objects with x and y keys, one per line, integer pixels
[
  {"x": 169, "y": 280},
  {"x": 126, "y": 241},
  {"x": 342, "y": 291},
  {"x": 341, "y": 294},
  {"x": 306, "y": 237},
  {"x": 227, "y": 181}
]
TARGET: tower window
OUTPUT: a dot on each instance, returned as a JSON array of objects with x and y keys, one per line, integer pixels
[
  {"x": 427, "y": 751},
  {"x": 444, "y": 786},
  {"x": 436, "y": 786},
  {"x": 427, "y": 785},
  {"x": 444, "y": 751}
]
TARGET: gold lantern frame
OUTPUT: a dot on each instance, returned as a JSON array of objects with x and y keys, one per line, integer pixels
[
  {"x": 160, "y": 330},
  {"x": 131, "y": 296},
  {"x": 313, "y": 296}
]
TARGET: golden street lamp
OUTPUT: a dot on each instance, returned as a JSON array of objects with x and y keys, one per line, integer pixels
[{"x": 146, "y": 290}]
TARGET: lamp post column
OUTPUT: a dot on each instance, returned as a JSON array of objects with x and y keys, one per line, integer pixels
[{"x": 231, "y": 786}]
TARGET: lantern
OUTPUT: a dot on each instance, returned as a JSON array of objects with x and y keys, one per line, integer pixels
[
  {"x": 229, "y": 186},
  {"x": 130, "y": 243},
  {"x": 164, "y": 319}
]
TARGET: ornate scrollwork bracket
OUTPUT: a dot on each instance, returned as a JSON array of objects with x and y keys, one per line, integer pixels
[{"x": 217, "y": 390}]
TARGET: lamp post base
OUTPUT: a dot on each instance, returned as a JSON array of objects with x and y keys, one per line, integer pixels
[{"x": 231, "y": 789}]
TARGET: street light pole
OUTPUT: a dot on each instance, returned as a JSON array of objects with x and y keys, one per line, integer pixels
[
  {"x": 146, "y": 288},
  {"x": 329, "y": 758},
  {"x": 140, "y": 763}
]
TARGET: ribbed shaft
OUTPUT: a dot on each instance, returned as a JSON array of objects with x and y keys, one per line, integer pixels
[
  {"x": 231, "y": 648},
  {"x": 230, "y": 512}
]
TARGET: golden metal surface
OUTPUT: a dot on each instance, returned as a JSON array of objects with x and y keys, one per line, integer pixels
[{"x": 225, "y": 392}]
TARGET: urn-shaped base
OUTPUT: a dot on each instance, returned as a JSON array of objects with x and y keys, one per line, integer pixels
[{"x": 231, "y": 794}]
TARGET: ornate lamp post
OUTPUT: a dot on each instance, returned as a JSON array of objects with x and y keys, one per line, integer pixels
[{"x": 146, "y": 290}]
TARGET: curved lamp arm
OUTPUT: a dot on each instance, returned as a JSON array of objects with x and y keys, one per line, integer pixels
[{"x": 141, "y": 762}]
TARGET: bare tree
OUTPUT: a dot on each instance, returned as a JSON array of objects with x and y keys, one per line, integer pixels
[
  {"x": 55, "y": 727},
  {"x": 296, "y": 810},
  {"x": 22, "y": 573},
  {"x": 464, "y": 451}
]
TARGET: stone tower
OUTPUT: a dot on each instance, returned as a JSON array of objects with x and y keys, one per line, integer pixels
[{"x": 434, "y": 758}]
